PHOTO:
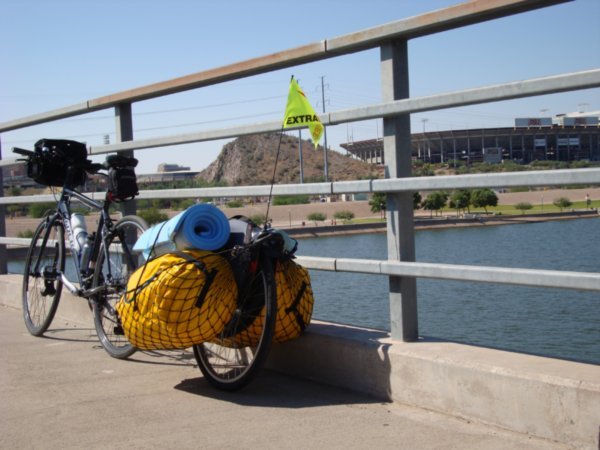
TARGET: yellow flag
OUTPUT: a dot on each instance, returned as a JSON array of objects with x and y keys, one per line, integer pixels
[{"x": 299, "y": 113}]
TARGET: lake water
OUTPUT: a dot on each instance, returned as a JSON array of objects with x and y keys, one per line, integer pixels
[{"x": 550, "y": 322}]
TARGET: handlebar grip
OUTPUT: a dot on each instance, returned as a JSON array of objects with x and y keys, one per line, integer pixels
[
  {"x": 22, "y": 151},
  {"x": 94, "y": 167}
]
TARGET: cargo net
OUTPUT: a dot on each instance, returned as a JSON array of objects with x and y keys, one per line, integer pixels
[
  {"x": 295, "y": 303},
  {"x": 178, "y": 300}
]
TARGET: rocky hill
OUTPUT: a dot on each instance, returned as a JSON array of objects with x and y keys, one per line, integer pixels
[{"x": 249, "y": 160}]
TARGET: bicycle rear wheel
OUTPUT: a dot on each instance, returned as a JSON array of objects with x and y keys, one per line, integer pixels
[
  {"x": 232, "y": 359},
  {"x": 115, "y": 264},
  {"x": 42, "y": 285}
]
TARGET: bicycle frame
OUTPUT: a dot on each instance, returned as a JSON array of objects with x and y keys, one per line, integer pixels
[{"x": 63, "y": 214}]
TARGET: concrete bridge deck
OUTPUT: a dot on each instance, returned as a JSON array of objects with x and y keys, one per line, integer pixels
[{"x": 64, "y": 391}]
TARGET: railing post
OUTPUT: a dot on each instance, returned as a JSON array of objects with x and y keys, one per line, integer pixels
[
  {"x": 400, "y": 223},
  {"x": 3, "y": 252},
  {"x": 124, "y": 131}
]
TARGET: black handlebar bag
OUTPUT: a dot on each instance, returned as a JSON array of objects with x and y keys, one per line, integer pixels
[
  {"x": 122, "y": 181},
  {"x": 51, "y": 159}
]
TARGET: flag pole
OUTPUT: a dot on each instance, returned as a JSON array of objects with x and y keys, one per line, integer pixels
[
  {"x": 266, "y": 225},
  {"x": 273, "y": 180},
  {"x": 324, "y": 130},
  {"x": 300, "y": 156}
]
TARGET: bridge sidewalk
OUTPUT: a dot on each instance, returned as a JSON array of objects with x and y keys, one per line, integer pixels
[{"x": 63, "y": 391}]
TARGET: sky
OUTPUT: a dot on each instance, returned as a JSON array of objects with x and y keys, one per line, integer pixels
[{"x": 56, "y": 53}]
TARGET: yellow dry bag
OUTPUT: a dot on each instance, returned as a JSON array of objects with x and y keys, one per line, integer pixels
[
  {"x": 177, "y": 300},
  {"x": 294, "y": 306}
]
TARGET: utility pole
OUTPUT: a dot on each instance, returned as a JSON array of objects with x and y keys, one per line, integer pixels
[
  {"x": 324, "y": 128},
  {"x": 300, "y": 156}
]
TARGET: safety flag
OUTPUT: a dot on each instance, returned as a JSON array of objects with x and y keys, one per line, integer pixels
[{"x": 298, "y": 113}]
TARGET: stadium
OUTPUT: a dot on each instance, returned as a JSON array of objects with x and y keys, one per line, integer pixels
[{"x": 568, "y": 137}]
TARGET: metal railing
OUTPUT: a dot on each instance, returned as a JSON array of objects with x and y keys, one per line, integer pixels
[{"x": 392, "y": 38}]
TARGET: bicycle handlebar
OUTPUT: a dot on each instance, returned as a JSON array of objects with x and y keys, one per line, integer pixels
[
  {"x": 22, "y": 151},
  {"x": 88, "y": 166}
]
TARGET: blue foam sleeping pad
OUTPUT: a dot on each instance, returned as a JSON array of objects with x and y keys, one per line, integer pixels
[{"x": 202, "y": 226}]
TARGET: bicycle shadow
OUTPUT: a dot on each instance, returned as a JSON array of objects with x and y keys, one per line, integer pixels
[
  {"x": 164, "y": 357},
  {"x": 88, "y": 335},
  {"x": 275, "y": 390},
  {"x": 71, "y": 334},
  {"x": 354, "y": 354}
]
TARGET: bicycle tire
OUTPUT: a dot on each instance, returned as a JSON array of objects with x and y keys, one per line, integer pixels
[
  {"x": 42, "y": 288},
  {"x": 231, "y": 360},
  {"x": 123, "y": 262}
]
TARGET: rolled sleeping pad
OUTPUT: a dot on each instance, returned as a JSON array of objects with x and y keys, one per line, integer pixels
[{"x": 202, "y": 226}]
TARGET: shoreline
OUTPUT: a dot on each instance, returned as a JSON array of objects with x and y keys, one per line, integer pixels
[{"x": 437, "y": 223}]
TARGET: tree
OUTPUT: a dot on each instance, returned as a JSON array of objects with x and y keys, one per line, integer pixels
[
  {"x": 417, "y": 200},
  {"x": 482, "y": 198},
  {"x": 562, "y": 203},
  {"x": 378, "y": 203},
  {"x": 316, "y": 217},
  {"x": 523, "y": 206},
  {"x": 460, "y": 199},
  {"x": 435, "y": 201}
]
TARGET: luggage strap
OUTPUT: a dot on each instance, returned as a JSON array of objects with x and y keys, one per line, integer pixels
[
  {"x": 210, "y": 276},
  {"x": 294, "y": 307}
]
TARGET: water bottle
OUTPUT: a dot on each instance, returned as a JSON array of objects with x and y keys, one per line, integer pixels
[
  {"x": 87, "y": 250},
  {"x": 79, "y": 231}
]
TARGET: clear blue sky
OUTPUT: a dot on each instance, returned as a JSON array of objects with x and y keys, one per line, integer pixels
[{"x": 56, "y": 53}]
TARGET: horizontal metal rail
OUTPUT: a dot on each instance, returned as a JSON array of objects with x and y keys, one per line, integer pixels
[
  {"x": 481, "y": 274},
  {"x": 527, "y": 88},
  {"x": 532, "y": 87},
  {"x": 460, "y": 15},
  {"x": 488, "y": 180}
]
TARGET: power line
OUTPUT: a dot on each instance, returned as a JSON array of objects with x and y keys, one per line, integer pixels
[{"x": 189, "y": 108}]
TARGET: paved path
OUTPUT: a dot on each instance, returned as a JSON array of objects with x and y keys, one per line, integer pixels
[{"x": 64, "y": 391}]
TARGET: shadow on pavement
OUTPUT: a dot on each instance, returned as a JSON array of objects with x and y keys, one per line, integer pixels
[{"x": 274, "y": 390}]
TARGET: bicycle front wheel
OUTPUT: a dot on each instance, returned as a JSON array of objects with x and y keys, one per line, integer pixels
[
  {"x": 42, "y": 284},
  {"x": 232, "y": 359},
  {"x": 115, "y": 264}
]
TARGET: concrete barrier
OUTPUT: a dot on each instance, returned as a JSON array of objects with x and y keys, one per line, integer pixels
[{"x": 548, "y": 398}]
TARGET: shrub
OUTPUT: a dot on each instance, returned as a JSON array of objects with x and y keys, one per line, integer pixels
[
  {"x": 153, "y": 215},
  {"x": 37, "y": 210},
  {"x": 258, "y": 219},
  {"x": 345, "y": 216},
  {"x": 562, "y": 202},
  {"x": 523, "y": 206},
  {"x": 291, "y": 200},
  {"x": 316, "y": 217},
  {"x": 25, "y": 234},
  {"x": 234, "y": 204}
]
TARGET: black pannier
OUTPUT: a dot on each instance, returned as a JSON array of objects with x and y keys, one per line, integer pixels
[
  {"x": 122, "y": 181},
  {"x": 49, "y": 164}
]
